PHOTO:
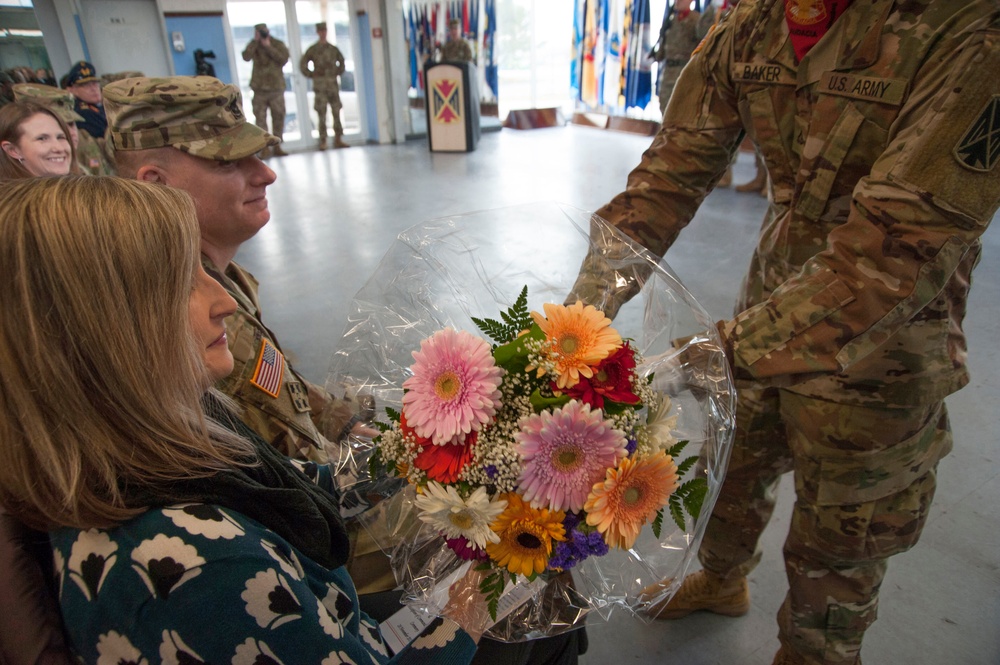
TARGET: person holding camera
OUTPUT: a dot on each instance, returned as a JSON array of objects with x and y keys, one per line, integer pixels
[{"x": 267, "y": 81}]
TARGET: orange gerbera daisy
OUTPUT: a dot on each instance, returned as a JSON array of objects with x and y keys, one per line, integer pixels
[
  {"x": 630, "y": 496},
  {"x": 580, "y": 337},
  {"x": 526, "y": 536}
]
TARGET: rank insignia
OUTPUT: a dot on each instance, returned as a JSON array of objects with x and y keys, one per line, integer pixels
[
  {"x": 270, "y": 369},
  {"x": 979, "y": 147}
]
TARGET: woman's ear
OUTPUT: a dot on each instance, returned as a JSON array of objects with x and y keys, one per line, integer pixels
[{"x": 11, "y": 150}]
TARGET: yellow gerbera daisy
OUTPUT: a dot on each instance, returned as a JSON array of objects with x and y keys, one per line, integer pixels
[
  {"x": 526, "y": 536},
  {"x": 630, "y": 496},
  {"x": 580, "y": 337}
]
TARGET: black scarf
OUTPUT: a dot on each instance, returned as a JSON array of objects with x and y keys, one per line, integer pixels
[{"x": 274, "y": 493}]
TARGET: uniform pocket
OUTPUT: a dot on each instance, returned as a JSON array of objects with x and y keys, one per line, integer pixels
[{"x": 815, "y": 193}]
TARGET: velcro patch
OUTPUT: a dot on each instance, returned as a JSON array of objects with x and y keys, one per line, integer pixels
[
  {"x": 761, "y": 72},
  {"x": 979, "y": 147},
  {"x": 868, "y": 88},
  {"x": 300, "y": 397},
  {"x": 270, "y": 369}
]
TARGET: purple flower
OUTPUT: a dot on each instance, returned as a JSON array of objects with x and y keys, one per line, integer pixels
[
  {"x": 631, "y": 445},
  {"x": 577, "y": 546}
]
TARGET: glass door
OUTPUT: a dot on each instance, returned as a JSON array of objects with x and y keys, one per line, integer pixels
[
  {"x": 294, "y": 23},
  {"x": 243, "y": 16},
  {"x": 337, "y": 16}
]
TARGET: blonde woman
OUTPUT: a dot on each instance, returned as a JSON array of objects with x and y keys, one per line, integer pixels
[
  {"x": 175, "y": 535},
  {"x": 34, "y": 141}
]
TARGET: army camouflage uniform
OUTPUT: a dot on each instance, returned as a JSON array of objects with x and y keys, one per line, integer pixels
[
  {"x": 848, "y": 334},
  {"x": 456, "y": 50},
  {"x": 296, "y": 417},
  {"x": 282, "y": 413},
  {"x": 268, "y": 83},
  {"x": 327, "y": 64},
  {"x": 93, "y": 157},
  {"x": 675, "y": 51}
]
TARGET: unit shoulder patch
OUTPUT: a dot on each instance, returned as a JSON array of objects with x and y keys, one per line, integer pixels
[{"x": 979, "y": 147}]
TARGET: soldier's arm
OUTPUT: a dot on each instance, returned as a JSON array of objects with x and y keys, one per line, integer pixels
[
  {"x": 914, "y": 221},
  {"x": 250, "y": 50},
  {"x": 304, "y": 64},
  {"x": 691, "y": 151},
  {"x": 336, "y": 417},
  {"x": 278, "y": 52}
]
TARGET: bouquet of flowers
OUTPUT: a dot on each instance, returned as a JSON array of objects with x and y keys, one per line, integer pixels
[
  {"x": 540, "y": 450},
  {"x": 566, "y": 455}
]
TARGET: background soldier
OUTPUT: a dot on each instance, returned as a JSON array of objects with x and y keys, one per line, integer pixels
[
  {"x": 89, "y": 155},
  {"x": 267, "y": 81},
  {"x": 456, "y": 49},
  {"x": 678, "y": 39},
  {"x": 327, "y": 64}
]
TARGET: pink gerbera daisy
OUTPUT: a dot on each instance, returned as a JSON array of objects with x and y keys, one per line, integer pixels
[
  {"x": 454, "y": 389},
  {"x": 565, "y": 452}
]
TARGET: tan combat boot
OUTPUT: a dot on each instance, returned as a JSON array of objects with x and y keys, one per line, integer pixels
[
  {"x": 264, "y": 153},
  {"x": 322, "y": 143},
  {"x": 278, "y": 152},
  {"x": 727, "y": 178},
  {"x": 759, "y": 182},
  {"x": 703, "y": 591},
  {"x": 786, "y": 656},
  {"x": 338, "y": 142}
]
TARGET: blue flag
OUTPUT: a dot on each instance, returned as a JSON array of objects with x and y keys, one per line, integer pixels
[
  {"x": 489, "y": 48},
  {"x": 638, "y": 77}
]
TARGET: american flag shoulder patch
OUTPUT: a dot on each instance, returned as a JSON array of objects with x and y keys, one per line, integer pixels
[{"x": 269, "y": 373}]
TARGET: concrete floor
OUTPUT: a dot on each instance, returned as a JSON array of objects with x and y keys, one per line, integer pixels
[{"x": 336, "y": 212}]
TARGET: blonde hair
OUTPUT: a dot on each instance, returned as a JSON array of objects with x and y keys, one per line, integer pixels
[
  {"x": 101, "y": 374},
  {"x": 12, "y": 119}
]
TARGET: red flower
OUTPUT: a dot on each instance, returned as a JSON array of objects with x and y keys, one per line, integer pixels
[
  {"x": 466, "y": 550},
  {"x": 444, "y": 463},
  {"x": 611, "y": 380}
]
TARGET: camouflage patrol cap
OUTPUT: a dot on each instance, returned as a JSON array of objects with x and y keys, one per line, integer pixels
[
  {"x": 199, "y": 115},
  {"x": 321, "y": 26},
  {"x": 259, "y": 27},
  {"x": 60, "y": 102}
]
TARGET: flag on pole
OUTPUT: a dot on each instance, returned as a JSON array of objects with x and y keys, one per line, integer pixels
[
  {"x": 576, "y": 64},
  {"x": 613, "y": 60},
  {"x": 638, "y": 76},
  {"x": 489, "y": 48}
]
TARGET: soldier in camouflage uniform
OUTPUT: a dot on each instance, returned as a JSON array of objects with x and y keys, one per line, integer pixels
[
  {"x": 267, "y": 81},
  {"x": 678, "y": 38},
  {"x": 456, "y": 49},
  {"x": 882, "y": 156},
  {"x": 327, "y": 64},
  {"x": 89, "y": 155}
]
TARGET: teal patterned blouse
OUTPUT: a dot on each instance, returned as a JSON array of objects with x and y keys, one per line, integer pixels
[{"x": 197, "y": 583}]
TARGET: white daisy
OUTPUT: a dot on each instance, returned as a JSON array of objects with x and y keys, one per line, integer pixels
[
  {"x": 659, "y": 428},
  {"x": 445, "y": 510}
]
